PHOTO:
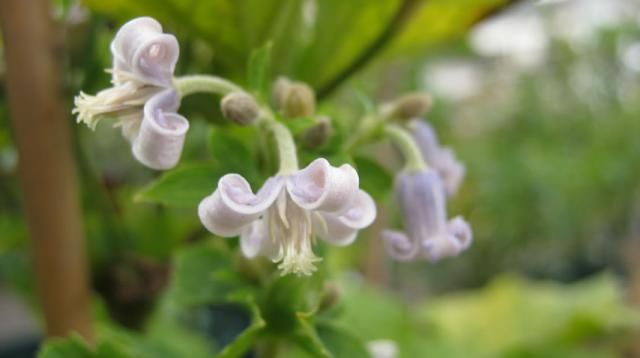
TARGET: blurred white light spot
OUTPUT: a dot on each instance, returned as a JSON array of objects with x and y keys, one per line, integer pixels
[
  {"x": 456, "y": 80},
  {"x": 631, "y": 57},
  {"x": 383, "y": 348},
  {"x": 519, "y": 36},
  {"x": 579, "y": 20}
]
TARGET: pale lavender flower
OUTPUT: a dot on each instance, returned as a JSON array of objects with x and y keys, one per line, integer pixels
[
  {"x": 142, "y": 100},
  {"x": 281, "y": 220},
  {"x": 442, "y": 159},
  {"x": 428, "y": 233}
]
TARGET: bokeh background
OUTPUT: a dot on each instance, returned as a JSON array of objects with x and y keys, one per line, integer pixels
[{"x": 540, "y": 99}]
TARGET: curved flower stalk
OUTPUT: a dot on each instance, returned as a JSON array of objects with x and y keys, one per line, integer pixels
[
  {"x": 282, "y": 219},
  {"x": 429, "y": 235},
  {"x": 442, "y": 159},
  {"x": 142, "y": 100}
]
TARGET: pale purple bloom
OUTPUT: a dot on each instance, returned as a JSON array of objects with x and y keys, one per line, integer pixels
[
  {"x": 161, "y": 135},
  {"x": 442, "y": 159},
  {"x": 428, "y": 233},
  {"x": 281, "y": 220},
  {"x": 142, "y": 99}
]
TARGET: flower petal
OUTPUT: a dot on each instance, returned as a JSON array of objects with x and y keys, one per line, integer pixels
[
  {"x": 442, "y": 159},
  {"x": 141, "y": 48},
  {"x": 421, "y": 198},
  {"x": 232, "y": 205},
  {"x": 400, "y": 246},
  {"x": 451, "y": 171},
  {"x": 341, "y": 229},
  {"x": 255, "y": 241},
  {"x": 160, "y": 139},
  {"x": 323, "y": 187},
  {"x": 461, "y": 230},
  {"x": 456, "y": 239}
]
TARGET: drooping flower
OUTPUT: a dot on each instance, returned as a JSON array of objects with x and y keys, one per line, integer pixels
[
  {"x": 142, "y": 100},
  {"x": 428, "y": 233},
  {"x": 442, "y": 159},
  {"x": 282, "y": 219}
]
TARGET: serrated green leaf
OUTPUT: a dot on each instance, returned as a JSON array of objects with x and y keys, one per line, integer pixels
[
  {"x": 258, "y": 72},
  {"x": 374, "y": 179},
  {"x": 185, "y": 186}
]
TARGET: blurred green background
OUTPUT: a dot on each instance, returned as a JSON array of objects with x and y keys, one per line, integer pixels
[{"x": 541, "y": 101}]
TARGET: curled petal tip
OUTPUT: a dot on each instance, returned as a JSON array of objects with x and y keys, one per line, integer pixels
[
  {"x": 140, "y": 47},
  {"x": 320, "y": 186},
  {"x": 399, "y": 246},
  {"x": 160, "y": 138}
]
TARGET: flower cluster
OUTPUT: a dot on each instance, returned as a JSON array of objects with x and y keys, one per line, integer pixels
[
  {"x": 282, "y": 220},
  {"x": 142, "y": 100}
]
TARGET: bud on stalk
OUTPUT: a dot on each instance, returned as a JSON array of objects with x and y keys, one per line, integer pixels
[{"x": 240, "y": 107}]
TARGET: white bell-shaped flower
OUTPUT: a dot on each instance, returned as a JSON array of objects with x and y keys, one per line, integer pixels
[{"x": 282, "y": 219}]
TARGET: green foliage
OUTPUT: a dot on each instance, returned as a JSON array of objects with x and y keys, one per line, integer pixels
[
  {"x": 375, "y": 179},
  {"x": 232, "y": 153},
  {"x": 304, "y": 34},
  {"x": 512, "y": 317},
  {"x": 204, "y": 274},
  {"x": 258, "y": 72},
  {"x": 184, "y": 186}
]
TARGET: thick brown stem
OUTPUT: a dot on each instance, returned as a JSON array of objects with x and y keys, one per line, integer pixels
[{"x": 47, "y": 170}]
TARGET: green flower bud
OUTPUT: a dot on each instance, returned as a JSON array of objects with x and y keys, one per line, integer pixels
[
  {"x": 409, "y": 106},
  {"x": 240, "y": 107}
]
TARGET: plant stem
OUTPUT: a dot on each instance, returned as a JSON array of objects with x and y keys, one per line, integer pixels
[
  {"x": 413, "y": 157},
  {"x": 47, "y": 169},
  {"x": 284, "y": 141},
  {"x": 364, "y": 132},
  {"x": 187, "y": 85}
]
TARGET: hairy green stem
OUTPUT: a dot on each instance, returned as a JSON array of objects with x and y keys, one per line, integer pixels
[
  {"x": 284, "y": 141},
  {"x": 413, "y": 157},
  {"x": 187, "y": 85}
]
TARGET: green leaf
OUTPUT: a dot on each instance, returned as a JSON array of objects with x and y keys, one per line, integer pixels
[
  {"x": 307, "y": 338},
  {"x": 300, "y": 124},
  {"x": 185, "y": 186},
  {"x": 75, "y": 347},
  {"x": 232, "y": 155},
  {"x": 258, "y": 72},
  {"x": 374, "y": 179},
  {"x": 72, "y": 347},
  {"x": 312, "y": 41},
  {"x": 340, "y": 341},
  {"x": 247, "y": 338},
  {"x": 204, "y": 274}
]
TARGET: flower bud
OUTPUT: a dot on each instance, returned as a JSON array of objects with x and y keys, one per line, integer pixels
[
  {"x": 280, "y": 88},
  {"x": 330, "y": 297},
  {"x": 318, "y": 134},
  {"x": 240, "y": 107},
  {"x": 294, "y": 99},
  {"x": 299, "y": 101},
  {"x": 409, "y": 106}
]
